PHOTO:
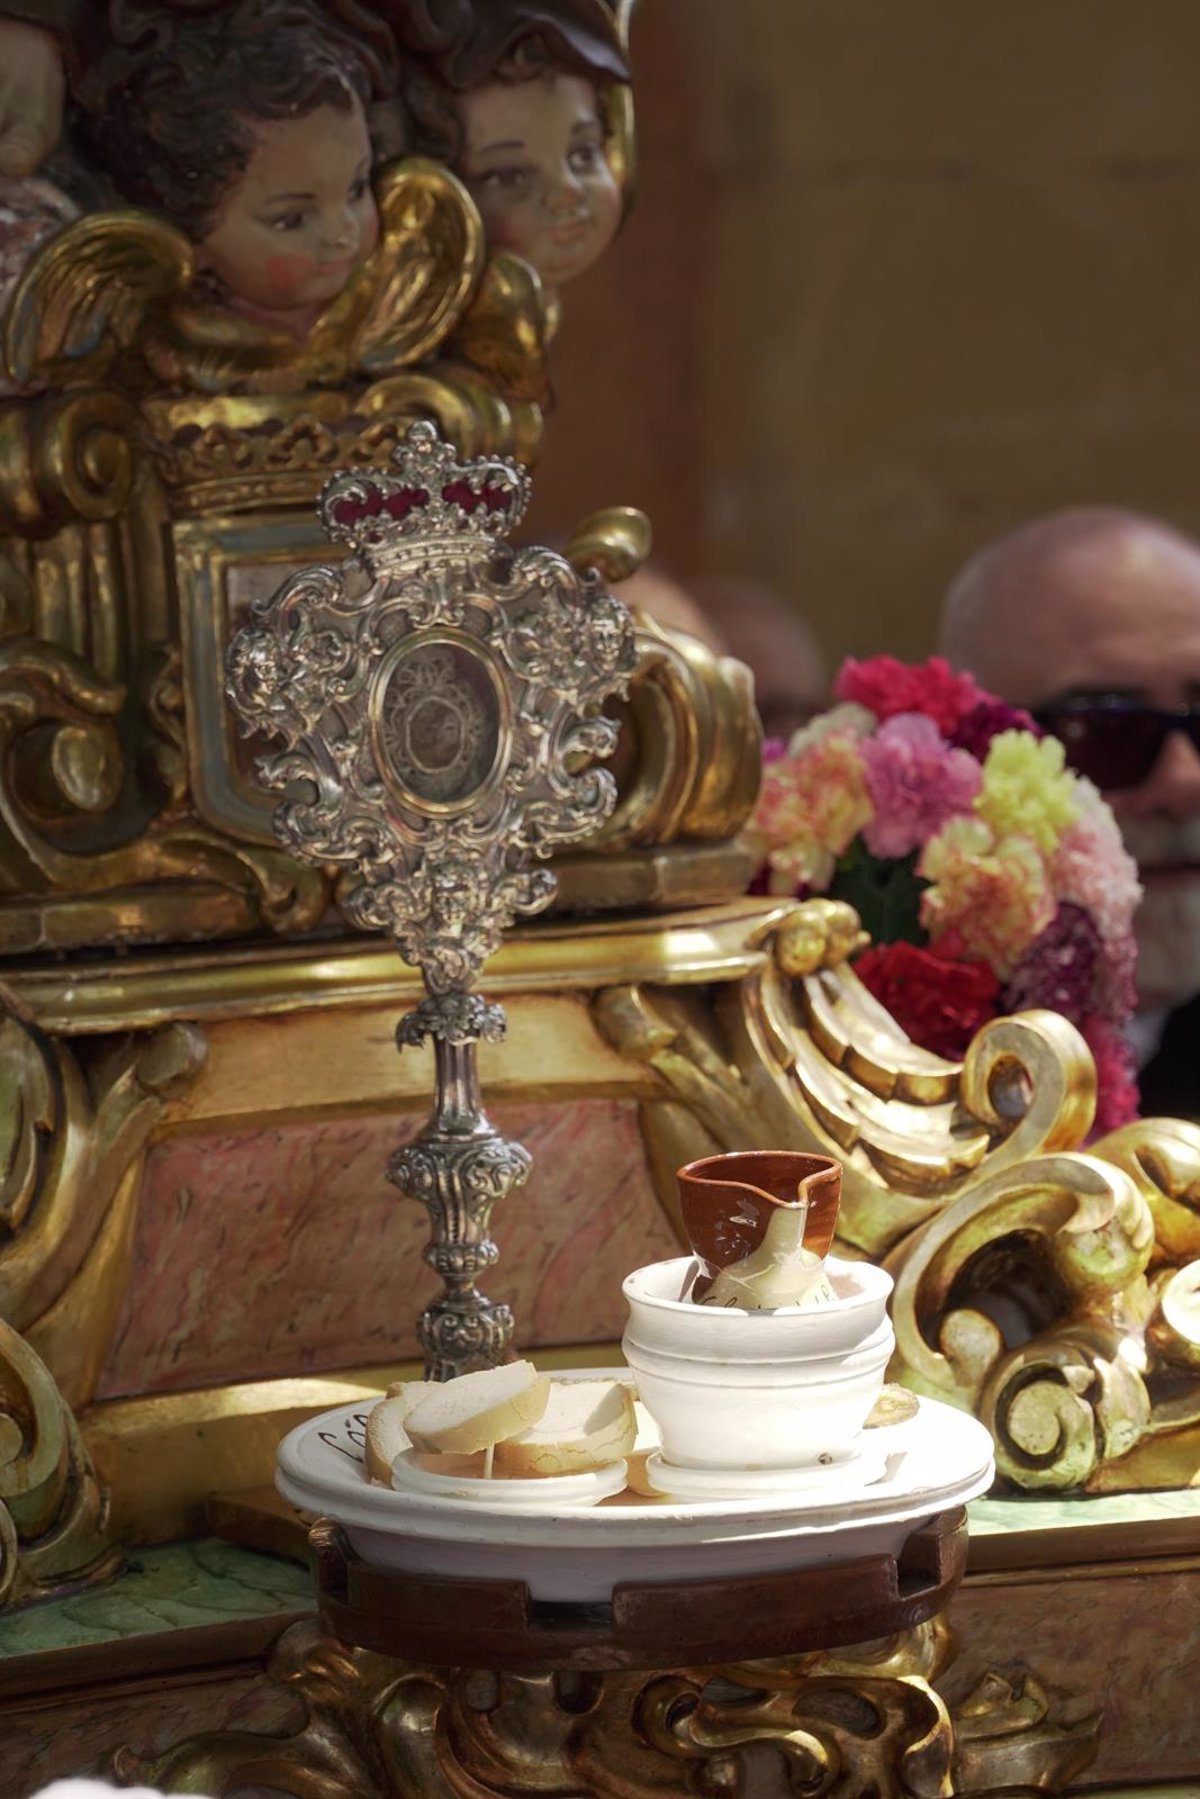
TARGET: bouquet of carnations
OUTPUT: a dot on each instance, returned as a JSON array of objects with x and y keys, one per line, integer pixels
[{"x": 990, "y": 877}]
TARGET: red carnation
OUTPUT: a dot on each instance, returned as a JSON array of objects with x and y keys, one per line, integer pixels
[
  {"x": 940, "y": 1004},
  {"x": 986, "y": 719},
  {"x": 886, "y": 687}
]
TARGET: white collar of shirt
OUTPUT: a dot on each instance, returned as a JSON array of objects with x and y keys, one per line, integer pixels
[{"x": 1144, "y": 1033}]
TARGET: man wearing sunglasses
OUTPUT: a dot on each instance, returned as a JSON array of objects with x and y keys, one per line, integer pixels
[{"x": 1091, "y": 619}]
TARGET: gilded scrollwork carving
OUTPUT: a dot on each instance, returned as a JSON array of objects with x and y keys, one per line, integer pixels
[
  {"x": 64, "y": 458},
  {"x": 1048, "y": 1287},
  {"x": 74, "y": 820},
  {"x": 694, "y": 744},
  {"x": 1007, "y": 1741},
  {"x": 53, "y": 1513},
  {"x": 73, "y": 1132},
  {"x": 1162, "y": 1157},
  {"x": 848, "y": 1724},
  {"x": 1065, "y": 1402}
]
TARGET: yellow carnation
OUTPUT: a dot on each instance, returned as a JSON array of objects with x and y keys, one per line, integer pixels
[
  {"x": 991, "y": 892},
  {"x": 1027, "y": 790}
]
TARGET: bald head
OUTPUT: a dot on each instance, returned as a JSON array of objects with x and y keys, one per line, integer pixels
[
  {"x": 1098, "y": 607},
  {"x": 1090, "y": 600},
  {"x": 667, "y": 603}
]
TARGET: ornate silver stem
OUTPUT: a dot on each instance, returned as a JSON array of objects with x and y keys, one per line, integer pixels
[
  {"x": 439, "y": 699},
  {"x": 459, "y": 1166}
]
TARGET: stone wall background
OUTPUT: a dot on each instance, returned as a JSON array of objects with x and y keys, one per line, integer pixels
[{"x": 902, "y": 273}]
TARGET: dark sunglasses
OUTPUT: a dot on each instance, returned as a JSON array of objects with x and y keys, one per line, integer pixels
[{"x": 1116, "y": 743}]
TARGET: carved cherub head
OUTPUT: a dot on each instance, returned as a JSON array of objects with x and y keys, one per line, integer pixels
[
  {"x": 246, "y": 128},
  {"x": 519, "y": 110}
]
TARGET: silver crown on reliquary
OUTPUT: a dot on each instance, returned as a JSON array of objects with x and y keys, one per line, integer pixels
[{"x": 438, "y": 695}]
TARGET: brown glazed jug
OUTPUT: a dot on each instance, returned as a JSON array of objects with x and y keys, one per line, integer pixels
[{"x": 727, "y": 1201}]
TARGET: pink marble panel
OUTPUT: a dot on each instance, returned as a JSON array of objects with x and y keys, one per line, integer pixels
[
  {"x": 286, "y": 1250},
  {"x": 1121, "y": 1642}
]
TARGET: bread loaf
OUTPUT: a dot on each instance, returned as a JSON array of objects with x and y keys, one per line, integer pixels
[
  {"x": 587, "y": 1424},
  {"x": 474, "y": 1411}
]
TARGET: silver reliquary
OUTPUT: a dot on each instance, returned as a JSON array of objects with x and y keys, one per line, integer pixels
[{"x": 438, "y": 696}]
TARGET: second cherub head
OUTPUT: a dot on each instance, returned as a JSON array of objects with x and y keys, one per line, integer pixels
[{"x": 519, "y": 110}]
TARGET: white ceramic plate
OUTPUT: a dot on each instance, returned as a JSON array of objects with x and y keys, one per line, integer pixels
[{"x": 938, "y": 1459}]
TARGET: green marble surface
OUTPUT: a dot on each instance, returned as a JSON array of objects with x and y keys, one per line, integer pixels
[
  {"x": 171, "y": 1588},
  {"x": 991, "y": 1516},
  {"x": 211, "y": 1582}
]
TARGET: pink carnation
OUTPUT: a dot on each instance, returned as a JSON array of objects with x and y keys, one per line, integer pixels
[
  {"x": 1092, "y": 867},
  {"x": 888, "y": 687},
  {"x": 916, "y": 783}
]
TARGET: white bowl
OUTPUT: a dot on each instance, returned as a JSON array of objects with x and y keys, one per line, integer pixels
[
  {"x": 730, "y": 1388},
  {"x": 549, "y": 1493},
  {"x": 842, "y": 1477}
]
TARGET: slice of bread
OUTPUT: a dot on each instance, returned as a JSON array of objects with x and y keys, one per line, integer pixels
[
  {"x": 645, "y": 1445},
  {"x": 457, "y": 1417},
  {"x": 587, "y": 1424},
  {"x": 455, "y": 1465},
  {"x": 386, "y": 1435},
  {"x": 412, "y": 1390}
]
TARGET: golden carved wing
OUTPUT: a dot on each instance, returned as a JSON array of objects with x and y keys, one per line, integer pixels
[
  {"x": 85, "y": 296},
  {"x": 419, "y": 281},
  {"x": 505, "y": 331}
]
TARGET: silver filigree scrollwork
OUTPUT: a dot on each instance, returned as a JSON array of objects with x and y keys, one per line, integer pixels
[{"x": 438, "y": 697}]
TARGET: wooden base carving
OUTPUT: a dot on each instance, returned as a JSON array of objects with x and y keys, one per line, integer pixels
[{"x": 864, "y": 1723}]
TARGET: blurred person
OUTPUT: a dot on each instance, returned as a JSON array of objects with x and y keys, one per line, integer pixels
[
  {"x": 780, "y": 649},
  {"x": 668, "y": 604},
  {"x": 741, "y": 618},
  {"x": 1090, "y": 618}
]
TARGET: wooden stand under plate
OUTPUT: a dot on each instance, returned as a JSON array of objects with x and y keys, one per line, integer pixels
[{"x": 496, "y": 1624}]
